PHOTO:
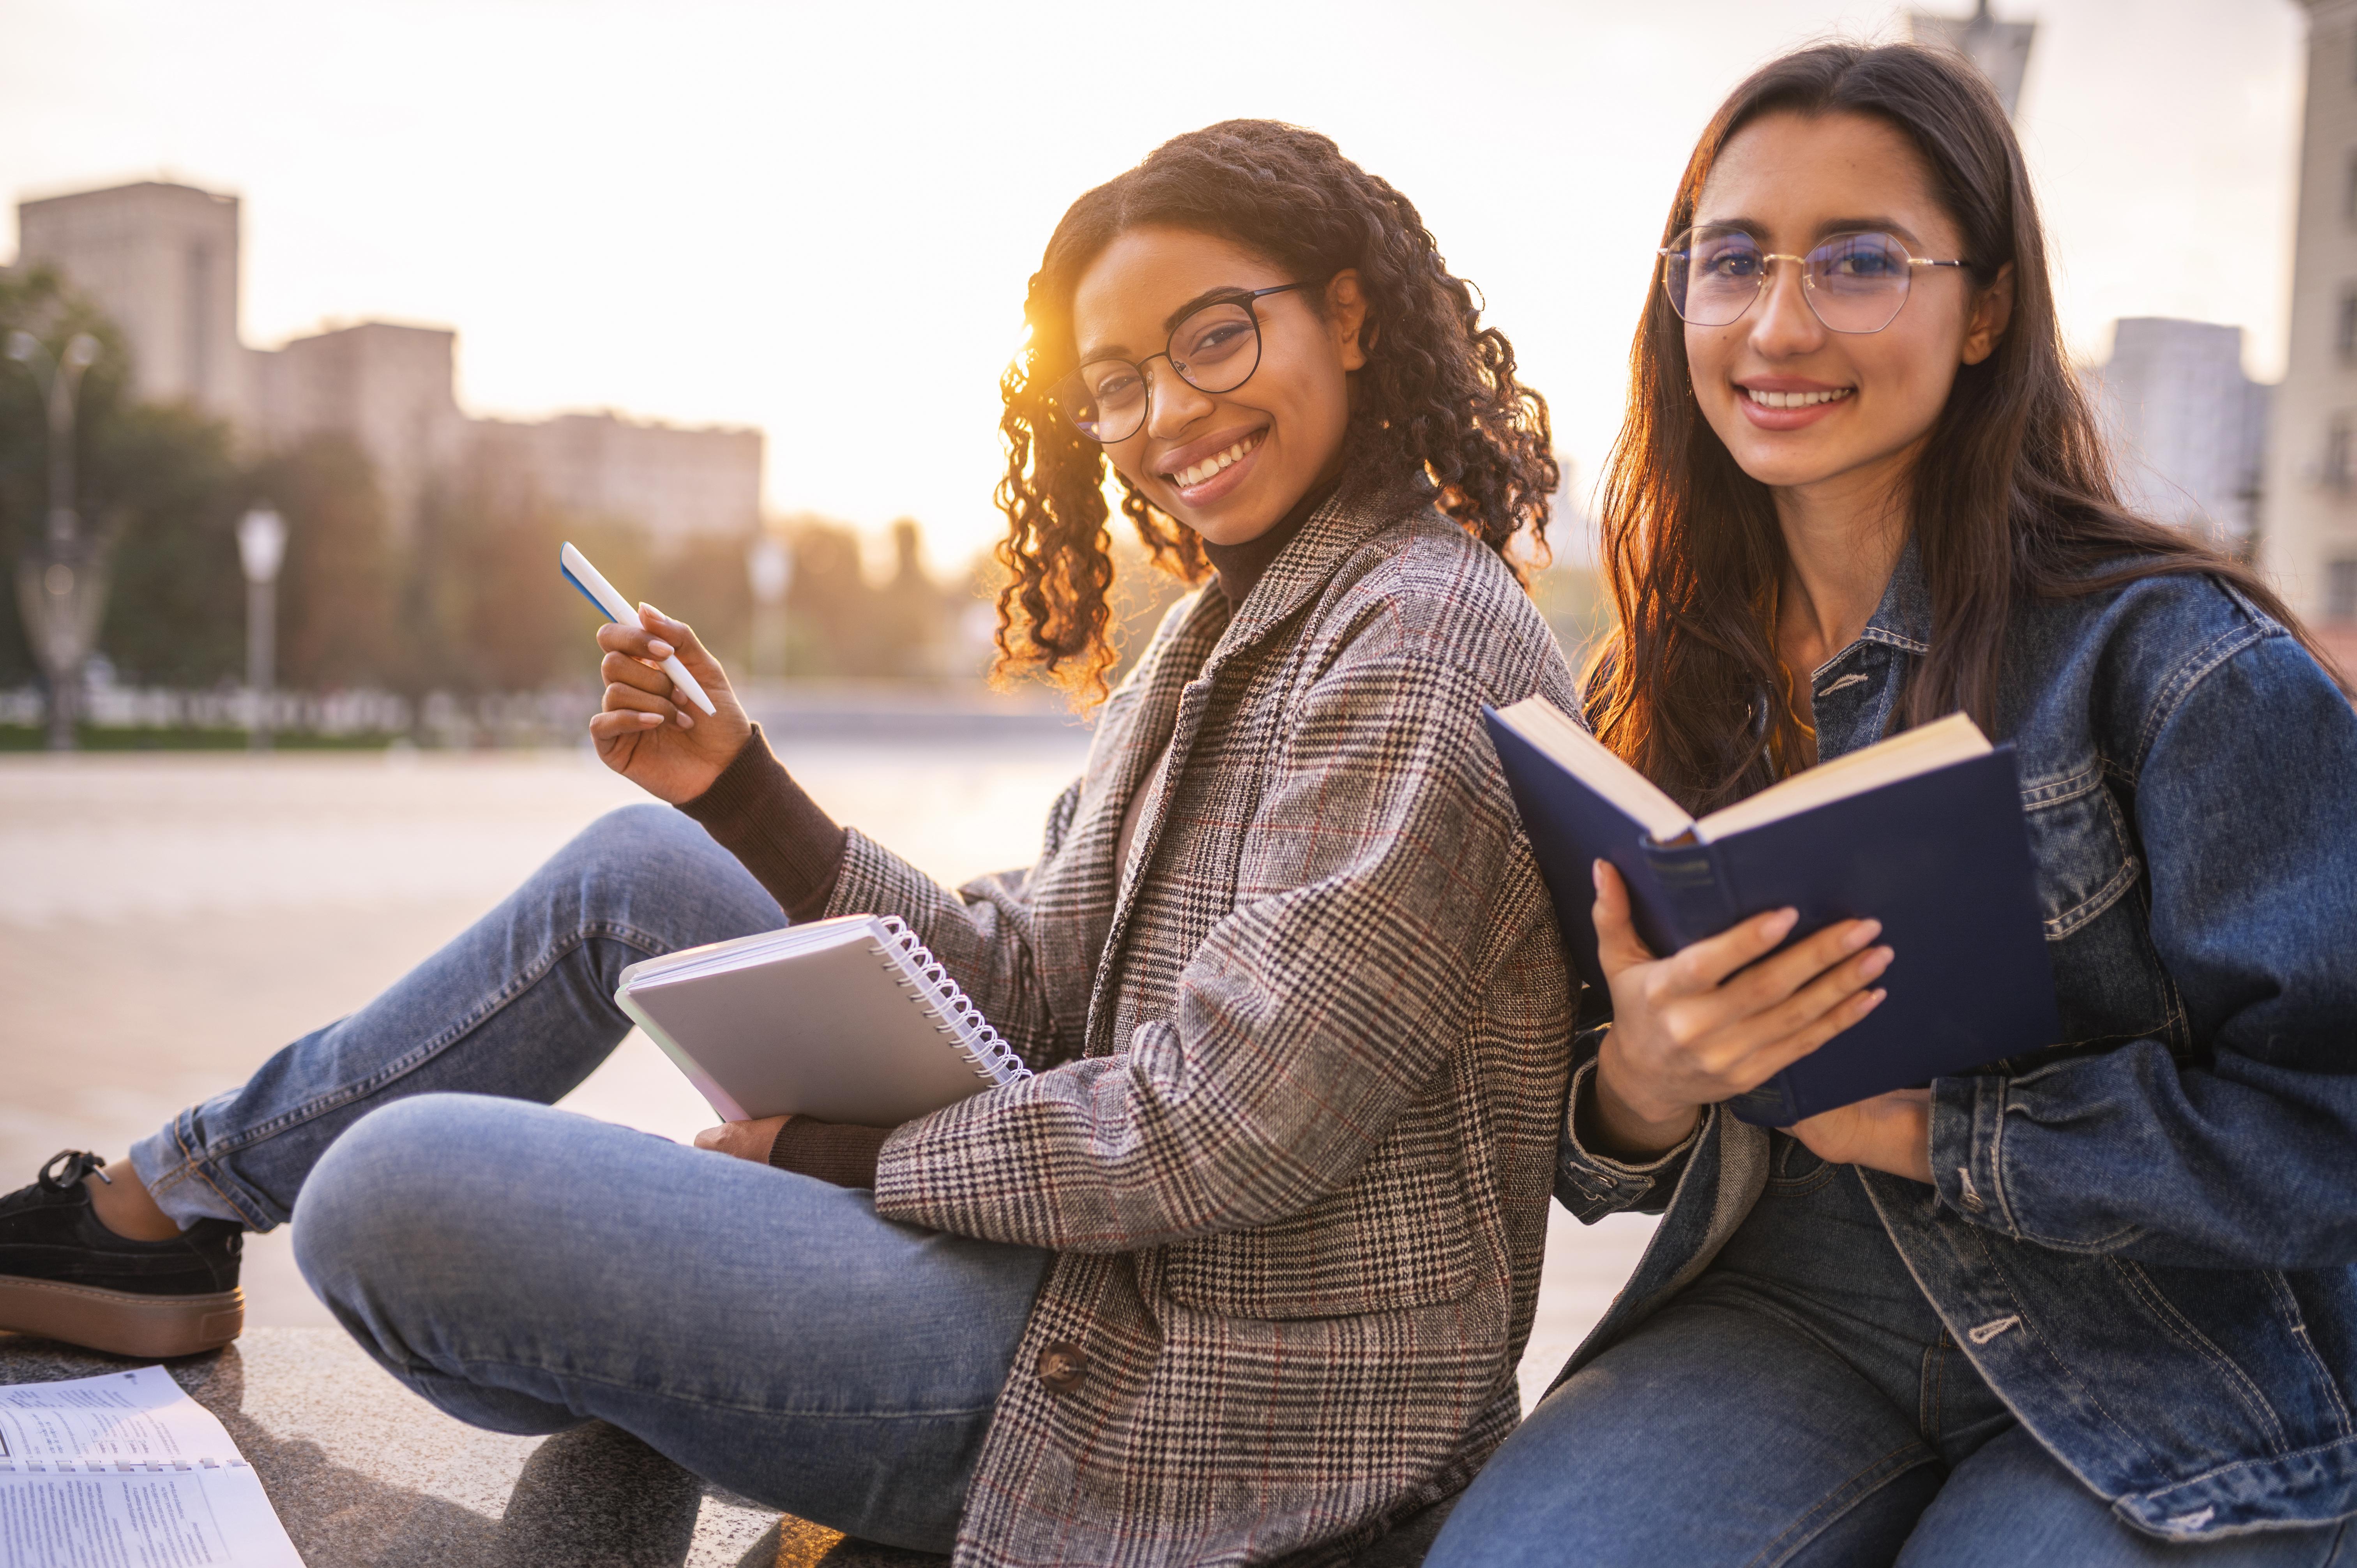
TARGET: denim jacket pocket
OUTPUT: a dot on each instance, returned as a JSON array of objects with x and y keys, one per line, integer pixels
[
  {"x": 1395, "y": 1238},
  {"x": 2079, "y": 842}
]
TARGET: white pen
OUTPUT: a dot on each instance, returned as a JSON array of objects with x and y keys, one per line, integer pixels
[{"x": 599, "y": 592}]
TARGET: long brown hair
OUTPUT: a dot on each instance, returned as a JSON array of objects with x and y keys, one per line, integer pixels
[
  {"x": 1437, "y": 396},
  {"x": 2013, "y": 496}
]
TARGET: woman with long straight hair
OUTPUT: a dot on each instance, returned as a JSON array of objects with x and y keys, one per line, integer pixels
[
  {"x": 1243, "y": 1271},
  {"x": 2091, "y": 1306}
]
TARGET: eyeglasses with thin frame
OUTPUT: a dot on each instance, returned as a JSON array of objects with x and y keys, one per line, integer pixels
[
  {"x": 1856, "y": 283},
  {"x": 1215, "y": 349}
]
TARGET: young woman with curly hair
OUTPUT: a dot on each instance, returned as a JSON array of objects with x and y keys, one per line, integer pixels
[
  {"x": 2095, "y": 1305},
  {"x": 1243, "y": 1271}
]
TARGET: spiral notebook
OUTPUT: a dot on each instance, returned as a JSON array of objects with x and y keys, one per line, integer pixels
[{"x": 842, "y": 1020}]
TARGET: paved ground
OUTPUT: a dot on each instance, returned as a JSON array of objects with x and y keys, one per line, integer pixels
[{"x": 169, "y": 922}]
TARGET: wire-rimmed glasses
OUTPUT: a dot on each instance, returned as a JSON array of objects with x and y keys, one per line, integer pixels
[
  {"x": 1214, "y": 350},
  {"x": 1853, "y": 282}
]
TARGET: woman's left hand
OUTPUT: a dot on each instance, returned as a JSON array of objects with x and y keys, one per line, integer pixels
[
  {"x": 751, "y": 1140},
  {"x": 1889, "y": 1132}
]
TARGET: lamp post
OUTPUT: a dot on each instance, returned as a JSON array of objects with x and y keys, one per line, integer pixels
[
  {"x": 770, "y": 564},
  {"x": 62, "y": 586},
  {"x": 260, "y": 548}
]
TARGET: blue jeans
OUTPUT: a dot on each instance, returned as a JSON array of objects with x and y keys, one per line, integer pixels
[
  {"x": 1801, "y": 1404},
  {"x": 526, "y": 1269}
]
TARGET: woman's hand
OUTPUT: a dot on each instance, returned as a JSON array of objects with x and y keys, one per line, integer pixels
[
  {"x": 1889, "y": 1132},
  {"x": 1718, "y": 1018},
  {"x": 651, "y": 734},
  {"x": 745, "y": 1140}
]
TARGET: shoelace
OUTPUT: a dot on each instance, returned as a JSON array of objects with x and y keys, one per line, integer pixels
[{"x": 77, "y": 1164}]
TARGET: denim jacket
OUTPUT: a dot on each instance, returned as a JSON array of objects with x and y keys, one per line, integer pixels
[{"x": 2144, "y": 1237}]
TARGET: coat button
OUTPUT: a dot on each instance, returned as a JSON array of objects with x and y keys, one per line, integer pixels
[{"x": 1063, "y": 1367}]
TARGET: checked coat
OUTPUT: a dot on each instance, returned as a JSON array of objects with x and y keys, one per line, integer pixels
[{"x": 1302, "y": 1071}]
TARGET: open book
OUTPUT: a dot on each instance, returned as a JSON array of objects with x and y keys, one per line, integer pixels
[
  {"x": 1922, "y": 831},
  {"x": 843, "y": 1020},
  {"x": 126, "y": 1469}
]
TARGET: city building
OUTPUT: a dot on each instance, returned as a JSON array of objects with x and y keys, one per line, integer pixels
[
  {"x": 2188, "y": 426},
  {"x": 2000, "y": 48},
  {"x": 163, "y": 262},
  {"x": 391, "y": 389},
  {"x": 2308, "y": 539}
]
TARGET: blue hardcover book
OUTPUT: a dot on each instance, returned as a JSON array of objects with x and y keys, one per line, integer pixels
[{"x": 1922, "y": 831}]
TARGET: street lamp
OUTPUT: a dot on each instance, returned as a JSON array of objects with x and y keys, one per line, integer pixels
[
  {"x": 260, "y": 548},
  {"x": 60, "y": 587},
  {"x": 770, "y": 564}
]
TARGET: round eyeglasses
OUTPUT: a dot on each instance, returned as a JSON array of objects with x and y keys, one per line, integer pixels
[
  {"x": 1855, "y": 283},
  {"x": 1215, "y": 349}
]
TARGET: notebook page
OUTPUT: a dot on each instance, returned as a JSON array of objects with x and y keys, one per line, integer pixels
[
  {"x": 124, "y": 1468},
  {"x": 1934, "y": 746},
  {"x": 1595, "y": 764}
]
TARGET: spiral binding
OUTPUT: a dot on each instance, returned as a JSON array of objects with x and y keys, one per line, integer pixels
[{"x": 953, "y": 1014}]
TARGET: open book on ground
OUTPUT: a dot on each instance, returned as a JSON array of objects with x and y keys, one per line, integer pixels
[
  {"x": 1922, "y": 831},
  {"x": 125, "y": 1468},
  {"x": 842, "y": 1020}
]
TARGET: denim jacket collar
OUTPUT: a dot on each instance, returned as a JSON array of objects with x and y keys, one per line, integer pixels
[{"x": 1852, "y": 692}]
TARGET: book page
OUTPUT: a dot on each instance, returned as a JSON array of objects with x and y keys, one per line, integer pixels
[
  {"x": 1952, "y": 739},
  {"x": 1595, "y": 764},
  {"x": 126, "y": 1469},
  {"x": 137, "y": 1418}
]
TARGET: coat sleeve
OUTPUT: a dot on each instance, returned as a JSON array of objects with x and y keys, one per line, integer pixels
[
  {"x": 2240, "y": 1155},
  {"x": 1309, "y": 1017}
]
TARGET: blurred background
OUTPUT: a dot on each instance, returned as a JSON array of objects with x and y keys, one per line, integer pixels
[{"x": 325, "y": 324}]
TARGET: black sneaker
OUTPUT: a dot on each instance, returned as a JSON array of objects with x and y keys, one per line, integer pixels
[{"x": 64, "y": 1275}]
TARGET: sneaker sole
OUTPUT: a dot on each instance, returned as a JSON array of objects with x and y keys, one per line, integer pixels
[{"x": 121, "y": 1322}]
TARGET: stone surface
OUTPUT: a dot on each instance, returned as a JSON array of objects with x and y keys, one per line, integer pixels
[{"x": 366, "y": 1475}]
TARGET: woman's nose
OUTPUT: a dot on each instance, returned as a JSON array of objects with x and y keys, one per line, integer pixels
[
  {"x": 1782, "y": 324},
  {"x": 1172, "y": 405}
]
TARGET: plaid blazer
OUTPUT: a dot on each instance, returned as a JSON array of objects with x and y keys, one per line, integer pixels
[{"x": 1303, "y": 1069}]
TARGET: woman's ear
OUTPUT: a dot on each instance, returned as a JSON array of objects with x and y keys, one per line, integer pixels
[
  {"x": 1346, "y": 317},
  {"x": 1992, "y": 313}
]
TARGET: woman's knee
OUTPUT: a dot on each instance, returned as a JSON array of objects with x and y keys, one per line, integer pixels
[
  {"x": 650, "y": 868},
  {"x": 396, "y": 1191}
]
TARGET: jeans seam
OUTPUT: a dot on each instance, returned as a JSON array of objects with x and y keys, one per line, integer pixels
[
  {"x": 199, "y": 1166},
  {"x": 1851, "y": 1493},
  {"x": 402, "y": 1065},
  {"x": 470, "y": 1365}
]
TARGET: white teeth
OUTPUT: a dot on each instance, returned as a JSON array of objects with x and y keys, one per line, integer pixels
[
  {"x": 1187, "y": 478},
  {"x": 1794, "y": 400}
]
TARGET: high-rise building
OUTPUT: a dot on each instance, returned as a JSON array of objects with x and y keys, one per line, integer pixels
[
  {"x": 391, "y": 389},
  {"x": 161, "y": 262},
  {"x": 2000, "y": 48},
  {"x": 2188, "y": 426},
  {"x": 2308, "y": 539}
]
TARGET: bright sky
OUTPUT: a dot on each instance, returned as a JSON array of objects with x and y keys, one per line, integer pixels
[{"x": 819, "y": 219}]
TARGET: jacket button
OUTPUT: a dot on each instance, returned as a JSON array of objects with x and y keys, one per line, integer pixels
[{"x": 1063, "y": 1367}]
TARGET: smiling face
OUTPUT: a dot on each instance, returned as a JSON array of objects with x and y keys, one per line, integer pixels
[
  {"x": 1228, "y": 465},
  {"x": 1800, "y": 406}
]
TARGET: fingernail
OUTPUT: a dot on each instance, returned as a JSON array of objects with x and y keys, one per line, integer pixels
[
  {"x": 1782, "y": 920},
  {"x": 1862, "y": 933},
  {"x": 649, "y": 718},
  {"x": 685, "y": 722},
  {"x": 1874, "y": 999},
  {"x": 660, "y": 649},
  {"x": 1877, "y": 961},
  {"x": 1595, "y": 873}
]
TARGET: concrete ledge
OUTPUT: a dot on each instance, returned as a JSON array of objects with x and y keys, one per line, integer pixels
[{"x": 366, "y": 1475}]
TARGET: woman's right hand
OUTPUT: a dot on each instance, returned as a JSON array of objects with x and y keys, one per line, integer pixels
[
  {"x": 649, "y": 733},
  {"x": 1712, "y": 1021}
]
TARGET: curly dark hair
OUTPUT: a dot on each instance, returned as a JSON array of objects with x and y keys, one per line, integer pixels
[{"x": 1437, "y": 396}]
